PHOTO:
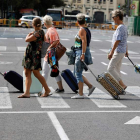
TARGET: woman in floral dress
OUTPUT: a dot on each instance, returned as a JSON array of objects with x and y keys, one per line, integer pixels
[{"x": 32, "y": 58}]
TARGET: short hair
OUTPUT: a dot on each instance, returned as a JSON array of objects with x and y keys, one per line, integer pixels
[
  {"x": 48, "y": 20},
  {"x": 81, "y": 18},
  {"x": 37, "y": 22},
  {"x": 118, "y": 13}
]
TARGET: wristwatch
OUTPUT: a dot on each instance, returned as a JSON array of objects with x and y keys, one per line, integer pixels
[{"x": 83, "y": 53}]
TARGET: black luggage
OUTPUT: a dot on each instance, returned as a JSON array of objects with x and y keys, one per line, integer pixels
[
  {"x": 14, "y": 78},
  {"x": 109, "y": 83},
  {"x": 70, "y": 79}
]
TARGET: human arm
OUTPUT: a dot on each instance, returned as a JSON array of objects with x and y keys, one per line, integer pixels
[
  {"x": 30, "y": 37},
  {"x": 126, "y": 54},
  {"x": 82, "y": 35},
  {"x": 113, "y": 49}
]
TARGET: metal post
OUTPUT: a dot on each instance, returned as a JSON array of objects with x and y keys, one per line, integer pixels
[{"x": 127, "y": 7}]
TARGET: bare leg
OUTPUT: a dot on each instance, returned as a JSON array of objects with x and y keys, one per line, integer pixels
[
  {"x": 28, "y": 82},
  {"x": 43, "y": 82},
  {"x": 80, "y": 85},
  {"x": 122, "y": 84},
  {"x": 60, "y": 85},
  {"x": 87, "y": 82}
]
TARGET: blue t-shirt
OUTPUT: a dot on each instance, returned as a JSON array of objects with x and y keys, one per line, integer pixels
[{"x": 120, "y": 34}]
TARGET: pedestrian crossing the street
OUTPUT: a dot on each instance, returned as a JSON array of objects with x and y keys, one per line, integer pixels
[{"x": 99, "y": 98}]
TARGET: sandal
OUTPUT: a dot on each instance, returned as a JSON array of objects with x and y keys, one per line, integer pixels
[{"x": 23, "y": 96}]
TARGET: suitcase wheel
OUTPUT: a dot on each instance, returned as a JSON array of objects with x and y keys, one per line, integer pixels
[
  {"x": 124, "y": 92},
  {"x": 117, "y": 97},
  {"x": 39, "y": 94}
]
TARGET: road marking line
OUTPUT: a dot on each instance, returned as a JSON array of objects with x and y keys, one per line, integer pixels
[
  {"x": 104, "y": 63},
  {"x": 3, "y": 38},
  {"x": 3, "y": 48},
  {"x": 21, "y": 48},
  {"x": 96, "y": 40},
  {"x": 45, "y": 112},
  {"x": 131, "y": 52},
  {"x": 5, "y": 101},
  {"x": 18, "y": 38},
  {"x": 123, "y": 73},
  {"x": 5, "y": 62},
  {"x": 130, "y": 42},
  {"x": 54, "y": 101},
  {"x": 104, "y": 50},
  {"x": 65, "y": 39},
  {"x": 92, "y": 57},
  {"x": 133, "y": 57},
  {"x": 102, "y": 99},
  {"x": 135, "y": 120},
  {"x": 57, "y": 126},
  {"x": 109, "y": 40},
  {"x": 92, "y": 51},
  {"x": 135, "y": 90}
]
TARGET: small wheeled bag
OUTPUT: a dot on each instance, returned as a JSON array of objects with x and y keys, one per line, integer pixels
[
  {"x": 109, "y": 83},
  {"x": 14, "y": 78},
  {"x": 70, "y": 79}
]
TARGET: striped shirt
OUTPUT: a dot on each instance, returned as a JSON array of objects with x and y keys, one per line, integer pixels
[{"x": 120, "y": 34}]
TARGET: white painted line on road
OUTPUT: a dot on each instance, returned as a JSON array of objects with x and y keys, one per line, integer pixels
[
  {"x": 123, "y": 73},
  {"x": 53, "y": 101},
  {"x": 104, "y": 50},
  {"x": 109, "y": 40},
  {"x": 5, "y": 102},
  {"x": 96, "y": 40},
  {"x": 102, "y": 99},
  {"x": 131, "y": 52},
  {"x": 57, "y": 126},
  {"x": 21, "y": 49},
  {"x": 18, "y": 38},
  {"x": 3, "y": 48},
  {"x": 104, "y": 63},
  {"x": 5, "y": 62},
  {"x": 12, "y": 52},
  {"x": 130, "y": 42},
  {"x": 45, "y": 112},
  {"x": 135, "y": 120},
  {"x": 137, "y": 57},
  {"x": 65, "y": 39},
  {"x": 92, "y": 51},
  {"x": 3, "y": 38},
  {"x": 135, "y": 90},
  {"x": 92, "y": 57}
]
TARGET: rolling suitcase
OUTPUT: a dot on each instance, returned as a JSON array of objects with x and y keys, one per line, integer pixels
[
  {"x": 14, "y": 78},
  {"x": 109, "y": 83},
  {"x": 70, "y": 79},
  {"x": 36, "y": 86}
]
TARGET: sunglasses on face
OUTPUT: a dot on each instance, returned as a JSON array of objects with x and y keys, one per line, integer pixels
[{"x": 113, "y": 17}]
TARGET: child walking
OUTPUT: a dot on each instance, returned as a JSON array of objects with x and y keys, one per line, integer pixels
[{"x": 32, "y": 58}]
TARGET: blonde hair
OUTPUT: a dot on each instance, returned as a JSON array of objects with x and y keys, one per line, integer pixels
[
  {"x": 37, "y": 22},
  {"x": 81, "y": 18},
  {"x": 48, "y": 20}
]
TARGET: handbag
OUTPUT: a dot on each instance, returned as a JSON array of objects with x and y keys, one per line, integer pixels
[
  {"x": 71, "y": 57},
  {"x": 44, "y": 48},
  {"x": 60, "y": 50}
]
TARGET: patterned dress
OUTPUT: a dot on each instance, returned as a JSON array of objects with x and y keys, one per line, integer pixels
[{"x": 32, "y": 55}]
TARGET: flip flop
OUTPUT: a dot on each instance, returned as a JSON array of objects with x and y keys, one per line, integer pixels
[
  {"x": 47, "y": 96},
  {"x": 23, "y": 96}
]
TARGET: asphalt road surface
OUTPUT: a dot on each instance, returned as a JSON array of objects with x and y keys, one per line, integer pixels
[{"x": 58, "y": 117}]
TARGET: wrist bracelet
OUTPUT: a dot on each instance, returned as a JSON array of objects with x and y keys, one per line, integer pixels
[{"x": 83, "y": 53}]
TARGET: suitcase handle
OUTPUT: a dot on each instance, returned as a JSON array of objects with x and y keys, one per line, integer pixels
[
  {"x": 90, "y": 70},
  {"x": 131, "y": 61},
  {"x": 1, "y": 73}
]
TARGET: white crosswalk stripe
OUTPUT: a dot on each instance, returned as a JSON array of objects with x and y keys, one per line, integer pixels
[
  {"x": 5, "y": 102},
  {"x": 102, "y": 99},
  {"x": 96, "y": 40},
  {"x": 3, "y": 48},
  {"x": 54, "y": 101},
  {"x": 134, "y": 90},
  {"x": 130, "y": 52},
  {"x": 21, "y": 48}
]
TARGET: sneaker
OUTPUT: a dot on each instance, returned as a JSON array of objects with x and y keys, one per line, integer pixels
[
  {"x": 91, "y": 90},
  {"x": 78, "y": 97},
  {"x": 59, "y": 90}
]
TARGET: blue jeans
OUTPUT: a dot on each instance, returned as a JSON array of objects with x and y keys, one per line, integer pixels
[{"x": 78, "y": 67}]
